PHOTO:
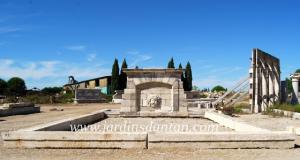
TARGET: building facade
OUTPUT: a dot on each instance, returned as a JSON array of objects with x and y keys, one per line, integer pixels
[{"x": 102, "y": 83}]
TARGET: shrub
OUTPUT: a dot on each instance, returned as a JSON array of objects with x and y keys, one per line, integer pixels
[
  {"x": 16, "y": 86},
  {"x": 218, "y": 88},
  {"x": 287, "y": 107},
  {"x": 52, "y": 90},
  {"x": 228, "y": 110},
  {"x": 237, "y": 110}
]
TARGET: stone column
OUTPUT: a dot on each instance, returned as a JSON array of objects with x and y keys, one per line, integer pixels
[
  {"x": 295, "y": 81},
  {"x": 264, "y": 91},
  {"x": 277, "y": 84},
  {"x": 179, "y": 97},
  {"x": 271, "y": 89},
  {"x": 257, "y": 106}
]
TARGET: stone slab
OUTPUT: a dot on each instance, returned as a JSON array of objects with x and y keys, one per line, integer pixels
[
  {"x": 42, "y": 139},
  {"x": 65, "y": 124},
  {"x": 18, "y": 108},
  {"x": 233, "y": 123},
  {"x": 229, "y": 140}
]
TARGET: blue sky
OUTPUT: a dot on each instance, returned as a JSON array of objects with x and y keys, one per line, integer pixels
[{"x": 45, "y": 41}]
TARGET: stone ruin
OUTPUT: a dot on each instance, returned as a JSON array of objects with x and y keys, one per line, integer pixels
[
  {"x": 295, "y": 82},
  {"x": 153, "y": 90},
  {"x": 9, "y": 109},
  {"x": 264, "y": 81}
]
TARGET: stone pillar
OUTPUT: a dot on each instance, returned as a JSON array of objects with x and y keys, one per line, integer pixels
[
  {"x": 277, "y": 87},
  {"x": 179, "y": 97},
  {"x": 295, "y": 81},
  {"x": 129, "y": 103},
  {"x": 264, "y": 91},
  {"x": 257, "y": 106},
  {"x": 271, "y": 89}
]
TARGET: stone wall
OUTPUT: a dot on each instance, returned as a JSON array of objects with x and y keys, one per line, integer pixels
[{"x": 9, "y": 109}]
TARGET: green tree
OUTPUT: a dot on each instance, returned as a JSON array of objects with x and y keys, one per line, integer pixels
[
  {"x": 188, "y": 86},
  {"x": 180, "y": 66},
  {"x": 123, "y": 76},
  {"x": 171, "y": 63},
  {"x": 3, "y": 87},
  {"x": 289, "y": 85},
  {"x": 297, "y": 71},
  {"x": 16, "y": 86},
  {"x": 218, "y": 88},
  {"x": 51, "y": 90},
  {"x": 182, "y": 75},
  {"x": 115, "y": 76},
  {"x": 196, "y": 88}
]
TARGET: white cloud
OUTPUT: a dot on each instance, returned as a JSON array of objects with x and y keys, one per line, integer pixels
[
  {"x": 92, "y": 57},
  {"x": 209, "y": 75},
  {"x": 137, "y": 58},
  {"x": 48, "y": 73},
  {"x": 211, "y": 81},
  {"x": 34, "y": 70},
  {"x": 76, "y": 48}
]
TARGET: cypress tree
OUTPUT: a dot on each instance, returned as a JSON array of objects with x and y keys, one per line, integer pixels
[
  {"x": 182, "y": 75},
  {"x": 115, "y": 76},
  {"x": 188, "y": 77},
  {"x": 171, "y": 63},
  {"x": 180, "y": 66},
  {"x": 123, "y": 76}
]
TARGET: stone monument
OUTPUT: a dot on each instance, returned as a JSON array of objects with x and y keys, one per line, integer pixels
[
  {"x": 153, "y": 91},
  {"x": 264, "y": 81},
  {"x": 295, "y": 82}
]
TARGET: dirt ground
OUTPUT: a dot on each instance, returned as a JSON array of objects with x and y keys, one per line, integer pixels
[{"x": 24, "y": 121}]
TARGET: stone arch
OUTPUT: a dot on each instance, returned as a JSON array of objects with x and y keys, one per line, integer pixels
[{"x": 158, "y": 91}]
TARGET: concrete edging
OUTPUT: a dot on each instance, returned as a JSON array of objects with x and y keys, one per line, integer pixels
[
  {"x": 232, "y": 123},
  {"x": 62, "y": 139},
  {"x": 291, "y": 114},
  {"x": 229, "y": 140}
]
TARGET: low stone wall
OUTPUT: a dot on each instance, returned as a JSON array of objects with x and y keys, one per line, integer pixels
[
  {"x": 68, "y": 140},
  {"x": 9, "y": 109},
  {"x": 221, "y": 140},
  {"x": 293, "y": 115}
]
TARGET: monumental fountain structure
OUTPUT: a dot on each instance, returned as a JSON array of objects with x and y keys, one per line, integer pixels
[{"x": 154, "y": 92}]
